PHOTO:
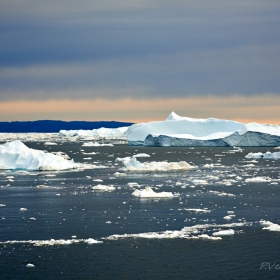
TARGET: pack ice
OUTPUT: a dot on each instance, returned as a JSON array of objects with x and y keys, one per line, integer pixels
[
  {"x": 100, "y": 132},
  {"x": 184, "y": 131},
  {"x": 16, "y": 155}
]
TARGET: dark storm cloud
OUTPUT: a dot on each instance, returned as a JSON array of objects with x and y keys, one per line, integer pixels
[{"x": 123, "y": 48}]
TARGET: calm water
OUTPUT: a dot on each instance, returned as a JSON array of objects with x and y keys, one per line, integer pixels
[{"x": 68, "y": 207}]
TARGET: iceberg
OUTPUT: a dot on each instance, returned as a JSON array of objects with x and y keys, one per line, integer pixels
[
  {"x": 15, "y": 155},
  {"x": 183, "y": 131}
]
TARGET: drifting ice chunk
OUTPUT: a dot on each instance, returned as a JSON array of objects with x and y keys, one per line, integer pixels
[
  {"x": 104, "y": 188},
  {"x": 95, "y": 144},
  {"x": 148, "y": 192},
  {"x": 15, "y": 155},
  {"x": 50, "y": 144},
  {"x": 270, "y": 226},
  {"x": 142, "y": 155},
  {"x": 132, "y": 164},
  {"x": 30, "y": 265},
  {"x": 198, "y": 210},
  {"x": 224, "y": 232},
  {"x": 258, "y": 180},
  {"x": 267, "y": 155}
]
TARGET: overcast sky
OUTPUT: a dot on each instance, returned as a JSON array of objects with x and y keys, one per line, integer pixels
[{"x": 139, "y": 60}]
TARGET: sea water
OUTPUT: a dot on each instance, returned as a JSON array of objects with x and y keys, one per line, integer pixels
[{"x": 45, "y": 206}]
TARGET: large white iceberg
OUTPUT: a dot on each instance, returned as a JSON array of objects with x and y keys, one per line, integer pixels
[
  {"x": 183, "y": 131},
  {"x": 15, "y": 155}
]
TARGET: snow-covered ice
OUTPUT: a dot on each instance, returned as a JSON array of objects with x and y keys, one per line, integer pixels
[
  {"x": 132, "y": 164},
  {"x": 16, "y": 155},
  {"x": 104, "y": 188},
  {"x": 100, "y": 132},
  {"x": 258, "y": 180},
  {"x": 96, "y": 144},
  {"x": 267, "y": 155},
  {"x": 183, "y": 131},
  {"x": 224, "y": 232},
  {"x": 269, "y": 226},
  {"x": 149, "y": 193}
]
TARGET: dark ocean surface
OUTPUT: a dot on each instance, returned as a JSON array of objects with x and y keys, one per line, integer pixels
[{"x": 66, "y": 206}]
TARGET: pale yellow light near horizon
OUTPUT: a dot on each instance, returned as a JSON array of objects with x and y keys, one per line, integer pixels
[{"x": 262, "y": 109}]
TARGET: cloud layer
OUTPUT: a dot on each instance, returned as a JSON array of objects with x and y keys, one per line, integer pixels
[{"x": 88, "y": 50}]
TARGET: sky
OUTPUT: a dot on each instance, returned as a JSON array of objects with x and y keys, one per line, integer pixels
[{"x": 138, "y": 61}]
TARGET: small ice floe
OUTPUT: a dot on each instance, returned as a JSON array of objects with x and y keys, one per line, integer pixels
[
  {"x": 108, "y": 222},
  {"x": 103, "y": 188},
  {"x": 222, "y": 193},
  {"x": 30, "y": 265},
  {"x": 41, "y": 186},
  {"x": 95, "y": 144},
  {"x": 230, "y": 212},
  {"x": 207, "y": 237},
  {"x": 199, "y": 182},
  {"x": 87, "y": 158},
  {"x": 258, "y": 180},
  {"x": 50, "y": 175},
  {"x": 227, "y": 232},
  {"x": 197, "y": 210},
  {"x": 97, "y": 180},
  {"x": 50, "y": 144},
  {"x": 148, "y": 192},
  {"x": 132, "y": 164},
  {"x": 133, "y": 184},
  {"x": 119, "y": 174},
  {"x": 91, "y": 241},
  {"x": 267, "y": 155},
  {"x": 141, "y": 155},
  {"x": 227, "y": 217},
  {"x": 22, "y": 209},
  {"x": 2, "y": 205},
  {"x": 269, "y": 226},
  {"x": 92, "y": 153}
]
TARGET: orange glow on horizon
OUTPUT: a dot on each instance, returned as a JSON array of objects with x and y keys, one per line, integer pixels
[{"x": 261, "y": 109}]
